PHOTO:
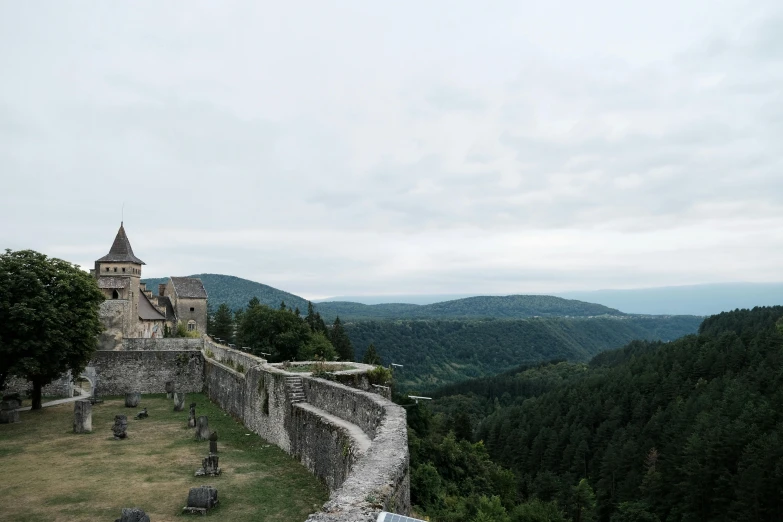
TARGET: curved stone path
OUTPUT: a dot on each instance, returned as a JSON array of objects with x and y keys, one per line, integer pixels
[{"x": 84, "y": 395}]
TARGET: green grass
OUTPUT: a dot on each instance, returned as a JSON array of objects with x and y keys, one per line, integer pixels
[
  {"x": 327, "y": 367},
  {"x": 52, "y": 474}
]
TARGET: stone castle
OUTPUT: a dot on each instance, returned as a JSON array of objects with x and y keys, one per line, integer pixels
[
  {"x": 131, "y": 311},
  {"x": 342, "y": 430}
]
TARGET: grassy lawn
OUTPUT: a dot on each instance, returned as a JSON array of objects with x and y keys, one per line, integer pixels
[
  {"x": 319, "y": 366},
  {"x": 51, "y": 474}
]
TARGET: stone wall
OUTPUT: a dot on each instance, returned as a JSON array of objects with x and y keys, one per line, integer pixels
[
  {"x": 230, "y": 357},
  {"x": 114, "y": 317},
  {"x": 62, "y": 387},
  {"x": 361, "y": 482},
  {"x": 165, "y": 344},
  {"x": 355, "y": 406},
  {"x": 147, "y": 371}
]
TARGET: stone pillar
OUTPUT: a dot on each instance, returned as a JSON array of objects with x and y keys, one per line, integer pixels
[
  {"x": 170, "y": 390},
  {"x": 179, "y": 401},
  {"x": 82, "y": 416},
  {"x": 8, "y": 406},
  {"x": 202, "y": 428},
  {"x": 192, "y": 416},
  {"x": 132, "y": 399}
]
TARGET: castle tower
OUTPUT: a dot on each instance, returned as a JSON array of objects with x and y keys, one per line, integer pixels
[{"x": 119, "y": 274}]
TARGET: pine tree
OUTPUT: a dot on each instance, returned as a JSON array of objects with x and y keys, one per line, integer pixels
[
  {"x": 222, "y": 323},
  {"x": 371, "y": 356},
  {"x": 340, "y": 341}
]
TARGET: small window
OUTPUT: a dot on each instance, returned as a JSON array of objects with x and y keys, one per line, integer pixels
[
  {"x": 115, "y": 295},
  {"x": 192, "y": 309},
  {"x": 123, "y": 269},
  {"x": 115, "y": 268},
  {"x": 107, "y": 268},
  {"x": 191, "y": 326}
]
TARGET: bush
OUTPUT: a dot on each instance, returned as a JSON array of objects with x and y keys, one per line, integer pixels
[{"x": 379, "y": 375}]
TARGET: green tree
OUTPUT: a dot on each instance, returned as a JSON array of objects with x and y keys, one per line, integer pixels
[
  {"x": 340, "y": 341},
  {"x": 537, "y": 511},
  {"x": 317, "y": 348},
  {"x": 48, "y": 318},
  {"x": 223, "y": 323},
  {"x": 634, "y": 512},
  {"x": 314, "y": 320},
  {"x": 371, "y": 356},
  {"x": 584, "y": 502}
]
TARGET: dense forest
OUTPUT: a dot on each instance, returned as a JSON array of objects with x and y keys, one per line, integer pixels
[
  {"x": 237, "y": 292},
  {"x": 689, "y": 430},
  {"x": 434, "y": 353}
]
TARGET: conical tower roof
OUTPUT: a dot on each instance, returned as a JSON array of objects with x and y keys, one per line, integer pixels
[{"x": 121, "y": 251}]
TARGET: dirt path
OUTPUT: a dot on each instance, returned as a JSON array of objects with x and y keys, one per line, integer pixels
[{"x": 83, "y": 395}]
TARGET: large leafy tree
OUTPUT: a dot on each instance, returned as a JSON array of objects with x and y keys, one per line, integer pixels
[
  {"x": 340, "y": 341},
  {"x": 48, "y": 318}
]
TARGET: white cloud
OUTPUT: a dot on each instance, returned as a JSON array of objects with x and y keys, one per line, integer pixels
[{"x": 407, "y": 147}]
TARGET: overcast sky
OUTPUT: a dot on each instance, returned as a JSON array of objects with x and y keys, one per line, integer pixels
[{"x": 332, "y": 148}]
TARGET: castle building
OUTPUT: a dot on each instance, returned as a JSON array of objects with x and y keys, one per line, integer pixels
[{"x": 131, "y": 311}]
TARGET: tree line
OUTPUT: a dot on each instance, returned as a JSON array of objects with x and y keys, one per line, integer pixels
[{"x": 281, "y": 332}]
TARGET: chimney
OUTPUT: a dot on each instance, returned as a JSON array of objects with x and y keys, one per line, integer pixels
[{"x": 162, "y": 289}]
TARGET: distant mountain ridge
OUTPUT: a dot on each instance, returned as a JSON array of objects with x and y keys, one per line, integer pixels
[{"x": 237, "y": 292}]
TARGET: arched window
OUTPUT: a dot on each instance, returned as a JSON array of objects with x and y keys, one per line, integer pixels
[
  {"x": 191, "y": 325},
  {"x": 115, "y": 295}
]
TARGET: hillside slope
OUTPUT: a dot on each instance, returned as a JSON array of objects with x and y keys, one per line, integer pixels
[
  {"x": 438, "y": 352},
  {"x": 237, "y": 292},
  {"x": 687, "y": 430}
]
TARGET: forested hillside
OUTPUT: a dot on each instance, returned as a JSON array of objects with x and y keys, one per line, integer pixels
[
  {"x": 481, "y": 307},
  {"x": 237, "y": 292},
  {"x": 690, "y": 430},
  {"x": 439, "y": 352}
]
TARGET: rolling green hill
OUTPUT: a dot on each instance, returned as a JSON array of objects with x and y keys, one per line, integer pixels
[{"x": 236, "y": 292}]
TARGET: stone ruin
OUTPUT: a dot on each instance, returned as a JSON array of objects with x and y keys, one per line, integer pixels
[
  {"x": 8, "y": 408},
  {"x": 142, "y": 414},
  {"x": 82, "y": 416},
  {"x": 202, "y": 428},
  {"x": 179, "y": 401},
  {"x": 120, "y": 427},
  {"x": 192, "y": 416},
  {"x": 209, "y": 467},
  {"x": 201, "y": 500},
  {"x": 132, "y": 399},
  {"x": 169, "y": 387},
  {"x": 133, "y": 515},
  {"x": 213, "y": 443}
]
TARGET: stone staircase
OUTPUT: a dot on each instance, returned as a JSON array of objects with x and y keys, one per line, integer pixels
[{"x": 295, "y": 390}]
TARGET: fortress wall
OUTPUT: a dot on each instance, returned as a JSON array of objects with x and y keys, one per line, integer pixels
[
  {"x": 361, "y": 485},
  {"x": 224, "y": 354},
  {"x": 323, "y": 447},
  {"x": 161, "y": 344},
  {"x": 355, "y": 406},
  {"x": 380, "y": 479},
  {"x": 147, "y": 371}
]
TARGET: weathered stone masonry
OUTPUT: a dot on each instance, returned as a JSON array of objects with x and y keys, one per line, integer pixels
[{"x": 355, "y": 441}]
